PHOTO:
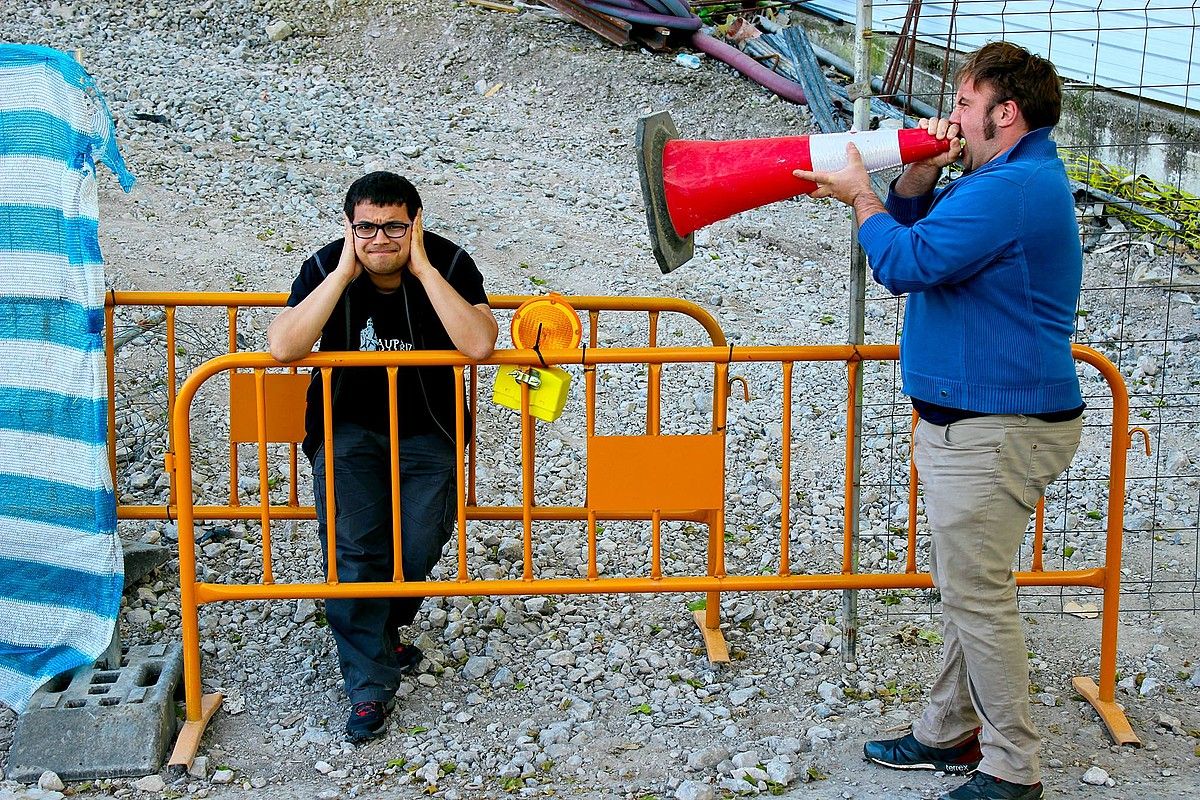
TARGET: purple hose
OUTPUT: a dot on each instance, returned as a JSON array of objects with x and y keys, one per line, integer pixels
[
  {"x": 677, "y": 8},
  {"x": 788, "y": 90},
  {"x": 644, "y": 17},
  {"x": 632, "y": 5}
]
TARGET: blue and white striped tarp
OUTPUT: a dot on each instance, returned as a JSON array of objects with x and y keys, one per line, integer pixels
[{"x": 61, "y": 569}]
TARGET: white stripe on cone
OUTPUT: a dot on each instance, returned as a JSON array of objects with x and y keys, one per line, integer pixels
[{"x": 879, "y": 149}]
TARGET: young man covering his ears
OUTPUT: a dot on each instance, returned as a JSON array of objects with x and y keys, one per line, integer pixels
[{"x": 386, "y": 285}]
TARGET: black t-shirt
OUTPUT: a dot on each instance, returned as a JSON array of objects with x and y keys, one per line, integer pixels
[{"x": 367, "y": 319}]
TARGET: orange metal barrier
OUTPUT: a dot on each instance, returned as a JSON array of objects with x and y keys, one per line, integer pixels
[
  {"x": 234, "y": 302},
  {"x": 652, "y": 478}
]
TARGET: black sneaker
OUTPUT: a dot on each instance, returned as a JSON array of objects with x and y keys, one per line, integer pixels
[
  {"x": 408, "y": 658},
  {"x": 986, "y": 787},
  {"x": 368, "y": 720},
  {"x": 907, "y": 753}
]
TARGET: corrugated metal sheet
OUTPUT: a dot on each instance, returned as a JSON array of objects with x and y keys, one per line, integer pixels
[{"x": 1145, "y": 48}]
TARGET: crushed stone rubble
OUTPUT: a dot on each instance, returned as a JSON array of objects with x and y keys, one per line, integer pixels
[{"x": 244, "y": 121}]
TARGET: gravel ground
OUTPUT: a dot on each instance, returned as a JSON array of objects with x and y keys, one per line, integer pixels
[{"x": 590, "y": 697}]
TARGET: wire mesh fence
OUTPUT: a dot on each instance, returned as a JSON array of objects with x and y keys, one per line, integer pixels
[{"x": 1129, "y": 134}]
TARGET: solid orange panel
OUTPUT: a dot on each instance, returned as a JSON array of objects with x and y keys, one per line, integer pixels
[
  {"x": 285, "y": 394},
  {"x": 644, "y": 473}
]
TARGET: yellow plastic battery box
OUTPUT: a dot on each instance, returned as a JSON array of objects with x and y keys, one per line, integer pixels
[{"x": 548, "y": 387}]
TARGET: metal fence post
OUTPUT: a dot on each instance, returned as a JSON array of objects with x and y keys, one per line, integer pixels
[{"x": 856, "y": 331}]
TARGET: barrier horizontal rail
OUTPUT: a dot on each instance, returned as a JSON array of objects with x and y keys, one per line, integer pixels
[
  {"x": 716, "y": 580},
  {"x": 210, "y": 592}
]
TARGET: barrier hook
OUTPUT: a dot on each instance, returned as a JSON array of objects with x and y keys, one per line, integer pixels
[
  {"x": 1145, "y": 438},
  {"x": 745, "y": 386}
]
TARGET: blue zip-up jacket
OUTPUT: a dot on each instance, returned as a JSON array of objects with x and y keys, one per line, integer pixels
[{"x": 992, "y": 265}]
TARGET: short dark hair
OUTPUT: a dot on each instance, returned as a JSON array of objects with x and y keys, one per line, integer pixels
[
  {"x": 1013, "y": 73},
  {"x": 383, "y": 189}
]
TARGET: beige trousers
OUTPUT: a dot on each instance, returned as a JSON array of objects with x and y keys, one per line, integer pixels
[{"x": 982, "y": 479}]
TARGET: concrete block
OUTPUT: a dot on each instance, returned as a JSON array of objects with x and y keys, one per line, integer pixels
[
  {"x": 101, "y": 723},
  {"x": 141, "y": 559}
]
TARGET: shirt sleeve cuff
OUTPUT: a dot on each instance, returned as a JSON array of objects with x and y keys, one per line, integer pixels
[{"x": 907, "y": 210}]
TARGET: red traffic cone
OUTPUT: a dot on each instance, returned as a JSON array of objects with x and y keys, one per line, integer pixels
[{"x": 689, "y": 184}]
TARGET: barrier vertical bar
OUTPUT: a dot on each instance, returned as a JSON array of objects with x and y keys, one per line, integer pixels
[
  {"x": 394, "y": 473},
  {"x": 264, "y": 488},
  {"x": 654, "y": 377},
  {"x": 110, "y": 363},
  {"x": 169, "y": 312},
  {"x": 471, "y": 462},
  {"x": 593, "y": 571},
  {"x": 460, "y": 475},
  {"x": 293, "y": 472},
  {"x": 656, "y": 544},
  {"x": 589, "y": 375},
  {"x": 589, "y": 381},
  {"x": 785, "y": 485},
  {"x": 653, "y": 383},
  {"x": 234, "y": 500},
  {"x": 293, "y": 467},
  {"x": 910, "y": 563},
  {"x": 331, "y": 574},
  {"x": 850, "y": 511},
  {"x": 527, "y": 445},
  {"x": 1039, "y": 529}
]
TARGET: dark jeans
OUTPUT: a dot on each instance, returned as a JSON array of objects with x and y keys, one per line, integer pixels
[{"x": 365, "y": 630}]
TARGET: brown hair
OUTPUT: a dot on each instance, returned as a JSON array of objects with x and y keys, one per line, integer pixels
[{"x": 1013, "y": 73}]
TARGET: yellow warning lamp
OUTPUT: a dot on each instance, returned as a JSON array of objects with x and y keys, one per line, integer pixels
[{"x": 543, "y": 322}]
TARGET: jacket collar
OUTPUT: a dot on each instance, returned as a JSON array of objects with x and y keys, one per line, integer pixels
[{"x": 1035, "y": 144}]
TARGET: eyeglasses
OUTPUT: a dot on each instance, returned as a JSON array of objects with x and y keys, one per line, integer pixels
[{"x": 393, "y": 230}]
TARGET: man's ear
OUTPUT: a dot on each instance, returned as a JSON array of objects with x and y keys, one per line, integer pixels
[{"x": 1010, "y": 114}]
